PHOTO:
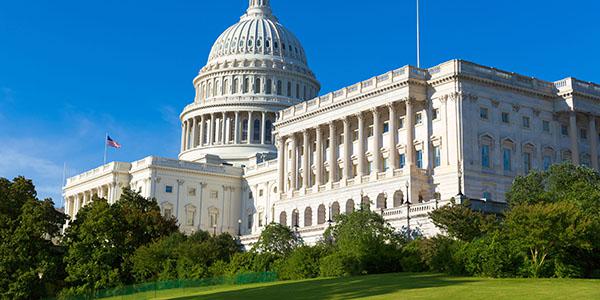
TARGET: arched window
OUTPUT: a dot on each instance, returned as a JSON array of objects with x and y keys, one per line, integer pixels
[
  {"x": 528, "y": 155},
  {"x": 297, "y": 91},
  {"x": 269, "y": 132},
  {"x": 246, "y": 86},
  {"x": 226, "y": 87},
  {"x": 349, "y": 206},
  {"x": 507, "y": 154},
  {"x": 398, "y": 198},
  {"x": 308, "y": 217},
  {"x": 283, "y": 218},
  {"x": 295, "y": 218},
  {"x": 289, "y": 89},
  {"x": 365, "y": 203},
  {"x": 269, "y": 87},
  {"x": 381, "y": 201},
  {"x": 244, "y": 129},
  {"x": 256, "y": 133},
  {"x": 234, "y": 87},
  {"x": 548, "y": 158},
  {"x": 335, "y": 209},
  {"x": 279, "y": 88},
  {"x": 209, "y": 90},
  {"x": 257, "y": 86},
  {"x": 321, "y": 214}
]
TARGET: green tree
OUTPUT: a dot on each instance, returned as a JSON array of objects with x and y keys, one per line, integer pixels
[
  {"x": 30, "y": 263},
  {"x": 102, "y": 239},
  {"x": 277, "y": 239},
  {"x": 463, "y": 223}
]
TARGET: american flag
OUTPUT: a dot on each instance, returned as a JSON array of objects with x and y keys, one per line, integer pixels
[{"x": 111, "y": 143}]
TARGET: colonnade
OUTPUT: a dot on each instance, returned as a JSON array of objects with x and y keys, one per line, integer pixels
[
  {"x": 323, "y": 162},
  {"x": 228, "y": 128},
  {"x": 74, "y": 203},
  {"x": 592, "y": 137}
]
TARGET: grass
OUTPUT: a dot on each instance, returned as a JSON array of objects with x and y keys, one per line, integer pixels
[{"x": 394, "y": 286}]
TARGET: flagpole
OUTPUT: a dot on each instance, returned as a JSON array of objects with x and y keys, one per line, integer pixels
[
  {"x": 105, "y": 147},
  {"x": 418, "y": 37}
]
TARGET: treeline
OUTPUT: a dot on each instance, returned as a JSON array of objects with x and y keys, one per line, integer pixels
[{"x": 552, "y": 229}]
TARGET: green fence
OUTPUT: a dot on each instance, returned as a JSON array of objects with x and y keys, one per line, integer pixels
[{"x": 174, "y": 288}]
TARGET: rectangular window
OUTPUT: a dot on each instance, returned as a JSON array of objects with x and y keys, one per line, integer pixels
[
  {"x": 437, "y": 156},
  {"x": 546, "y": 126},
  {"x": 485, "y": 156},
  {"x": 583, "y": 134},
  {"x": 213, "y": 220},
  {"x": 505, "y": 118},
  {"x": 260, "y": 219},
  {"x": 385, "y": 164},
  {"x": 402, "y": 160},
  {"x": 564, "y": 130},
  {"x": 370, "y": 166},
  {"x": 420, "y": 159},
  {"x": 435, "y": 114},
  {"x": 260, "y": 193},
  {"x": 250, "y": 217},
  {"x": 386, "y": 126},
  {"x": 418, "y": 118},
  {"x": 401, "y": 123},
  {"x": 526, "y": 122},
  {"x": 192, "y": 192},
  {"x": 168, "y": 213},
  {"x": 214, "y": 194},
  {"x": 370, "y": 131},
  {"x": 547, "y": 162},
  {"x": 484, "y": 113},
  {"x": 526, "y": 162},
  {"x": 507, "y": 159},
  {"x": 169, "y": 189}
]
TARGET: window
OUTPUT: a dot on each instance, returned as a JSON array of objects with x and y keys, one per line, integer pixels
[
  {"x": 213, "y": 218},
  {"x": 385, "y": 164},
  {"x": 507, "y": 159},
  {"x": 487, "y": 195},
  {"x": 169, "y": 189},
  {"x": 483, "y": 113},
  {"x": 583, "y": 134},
  {"x": 402, "y": 160},
  {"x": 485, "y": 156},
  {"x": 256, "y": 129},
  {"x": 168, "y": 213},
  {"x": 269, "y": 131},
  {"x": 546, "y": 126},
  {"x": 526, "y": 162},
  {"x": 246, "y": 86},
  {"x": 269, "y": 87},
  {"x": 386, "y": 126},
  {"x": 289, "y": 89},
  {"x": 437, "y": 156},
  {"x": 297, "y": 91},
  {"x": 245, "y": 130},
  {"x": 401, "y": 123},
  {"x": 547, "y": 162},
  {"x": 250, "y": 217},
  {"x": 505, "y": 118},
  {"x": 234, "y": 87},
  {"x": 260, "y": 193},
  {"x": 435, "y": 114},
  {"x": 192, "y": 192},
  {"x": 564, "y": 130},
  {"x": 214, "y": 194},
  {"x": 260, "y": 219},
  {"x": 418, "y": 118},
  {"x": 526, "y": 122},
  {"x": 279, "y": 88},
  {"x": 257, "y": 86},
  {"x": 420, "y": 159}
]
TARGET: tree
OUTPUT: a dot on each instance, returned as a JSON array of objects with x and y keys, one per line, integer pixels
[
  {"x": 30, "y": 263},
  {"x": 102, "y": 239},
  {"x": 461, "y": 222},
  {"x": 277, "y": 239}
]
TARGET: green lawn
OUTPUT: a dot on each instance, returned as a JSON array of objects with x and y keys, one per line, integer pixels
[{"x": 395, "y": 286}]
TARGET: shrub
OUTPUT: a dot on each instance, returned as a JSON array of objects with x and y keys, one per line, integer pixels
[
  {"x": 491, "y": 256},
  {"x": 337, "y": 265},
  {"x": 303, "y": 263}
]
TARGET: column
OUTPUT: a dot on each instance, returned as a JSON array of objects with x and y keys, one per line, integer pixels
[
  {"x": 376, "y": 142},
  {"x": 262, "y": 127},
  {"x": 593, "y": 136},
  {"x": 347, "y": 149},
  {"x": 393, "y": 132},
  {"x": 293, "y": 159},
  {"x": 77, "y": 206},
  {"x": 202, "y": 124},
  {"x": 410, "y": 138},
  {"x": 281, "y": 160},
  {"x": 319, "y": 158},
  {"x": 332, "y": 151},
  {"x": 183, "y": 136},
  {"x": 236, "y": 132},
  {"x": 194, "y": 132},
  {"x": 305, "y": 158},
  {"x": 360, "y": 168},
  {"x": 223, "y": 128},
  {"x": 227, "y": 130},
  {"x": 250, "y": 128},
  {"x": 211, "y": 129},
  {"x": 574, "y": 138}
]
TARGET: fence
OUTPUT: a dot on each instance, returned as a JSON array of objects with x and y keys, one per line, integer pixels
[{"x": 173, "y": 288}]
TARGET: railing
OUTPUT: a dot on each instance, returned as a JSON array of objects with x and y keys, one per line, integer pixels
[{"x": 102, "y": 170}]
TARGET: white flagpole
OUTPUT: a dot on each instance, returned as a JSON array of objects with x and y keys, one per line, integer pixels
[
  {"x": 418, "y": 37},
  {"x": 105, "y": 147}
]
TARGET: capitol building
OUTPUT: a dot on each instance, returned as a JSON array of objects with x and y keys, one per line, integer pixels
[{"x": 261, "y": 144}]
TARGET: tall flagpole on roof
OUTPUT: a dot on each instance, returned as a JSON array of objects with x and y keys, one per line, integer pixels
[
  {"x": 418, "y": 37},
  {"x": 105, "y": 147}
]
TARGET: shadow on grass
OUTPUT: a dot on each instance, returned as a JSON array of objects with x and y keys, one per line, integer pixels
[{"x": 339, "y": 288}]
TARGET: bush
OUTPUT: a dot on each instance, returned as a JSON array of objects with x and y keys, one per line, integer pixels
[
  {"x": 337, "y": 265},
  {"x": 491, "y": 256},
  {"x": 303, "y": 263}
]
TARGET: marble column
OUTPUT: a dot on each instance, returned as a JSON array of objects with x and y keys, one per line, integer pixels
[
  {"x": 574, "y": 138},
  {"x": 593, "y": 136},
  {"x": 305, "y": 157},
  {"x": 211, "y": 130},
  {"x": 183, "y": 136},
  {"x": 223, "y": 128},
  {"x": 392, "y": 134},
  {"x": 194, "y": 132},
  {"x": 410, "y": 138},
  {"x": 319, "y": 157},
  {"x": 281, "y": 161},
  {"x": 347, "y": 149},
  {"x": 360, "y": 167},
  {"x": 250, "y": 128},
  {"x": 201, "y": 135},
  {"x": 262, "y": 128},
  {"x": 332, "y": 153},
  {"x": 227, "y": 130},
  {"x": 376, "y": 142},
  {"x": 293, "y": 160},
  {"x": 236, "y": 132}
]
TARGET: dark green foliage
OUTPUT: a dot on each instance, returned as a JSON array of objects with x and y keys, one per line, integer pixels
[
  {"x": 338, "y": 265},
  {"x": 302, "y": 263},
  {"x": 491, "y": 256},
  {"x": 461, "y": 222},
  {"x": 277, "y": 239},
  {"x": 438, "y": 254}
]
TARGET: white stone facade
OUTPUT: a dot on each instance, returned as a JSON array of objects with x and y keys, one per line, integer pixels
[{"x": 254, "y": 150}]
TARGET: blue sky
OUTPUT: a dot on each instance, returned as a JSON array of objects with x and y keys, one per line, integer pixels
[{"x": 72, "y": 70}]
